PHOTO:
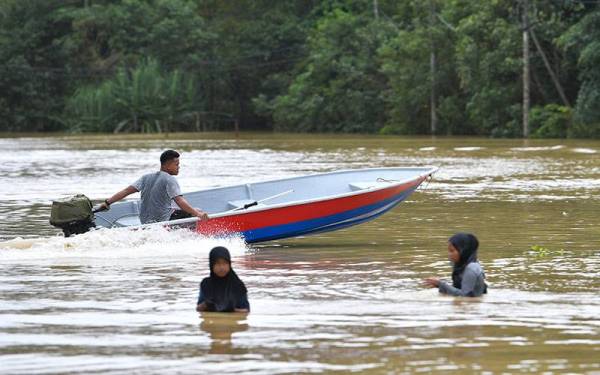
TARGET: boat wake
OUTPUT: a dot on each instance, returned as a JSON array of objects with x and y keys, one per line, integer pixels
[{"x": 155, "y": 241}]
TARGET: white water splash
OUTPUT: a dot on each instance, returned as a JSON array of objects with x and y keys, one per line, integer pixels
[
  {"x": 541, "y": 148},
  {"x": 474, "y": 148},
  {"x": 155, "y": 242},
  {"x": 581, "y": 150}
]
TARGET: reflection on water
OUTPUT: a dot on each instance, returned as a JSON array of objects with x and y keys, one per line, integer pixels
[
  {"x": 220, "y": 328},
  {"x": 123, "y": 301}
]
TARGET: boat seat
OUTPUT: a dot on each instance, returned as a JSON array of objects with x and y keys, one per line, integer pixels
[
  {"x": 231, "y": 205},
  {"x": 363, "y": 185}
]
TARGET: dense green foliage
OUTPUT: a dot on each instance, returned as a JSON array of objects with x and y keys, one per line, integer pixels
[
  {"x": 299, "y": 65},
  {"x": 143, "y": 99}
]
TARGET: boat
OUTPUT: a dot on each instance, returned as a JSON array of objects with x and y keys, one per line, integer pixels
[{"x": 289, "y": 207}]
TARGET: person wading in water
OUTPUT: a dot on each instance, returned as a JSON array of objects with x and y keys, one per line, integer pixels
[
  {"x": 468, "y": 278},
  {"x": 157, "y": 190},
  {"x": 222, "y": 291}
]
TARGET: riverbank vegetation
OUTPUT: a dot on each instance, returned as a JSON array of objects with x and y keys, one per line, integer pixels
[{"x": 452, "y": 67}]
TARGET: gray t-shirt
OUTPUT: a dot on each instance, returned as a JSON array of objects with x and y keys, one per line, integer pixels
[{"x": 158, "y": 190}]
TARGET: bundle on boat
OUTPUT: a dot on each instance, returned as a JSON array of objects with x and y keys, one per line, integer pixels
[{"x": 74, "y": 215}]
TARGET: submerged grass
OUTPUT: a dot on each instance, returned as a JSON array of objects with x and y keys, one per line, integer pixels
[{"x": 541, "y": 251}]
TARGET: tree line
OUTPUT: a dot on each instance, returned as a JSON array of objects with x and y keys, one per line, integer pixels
[{"x": 501, "y": 68}]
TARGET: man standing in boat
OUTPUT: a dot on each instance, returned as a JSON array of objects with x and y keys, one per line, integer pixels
[{"x": 158, "y": 189}]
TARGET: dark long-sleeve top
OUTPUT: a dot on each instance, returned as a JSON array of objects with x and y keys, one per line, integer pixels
[
  {"x": 242, "y": 302},
  {"x": 472, "y": 284}
]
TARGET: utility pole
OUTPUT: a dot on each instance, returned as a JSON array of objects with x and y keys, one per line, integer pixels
[
  {"x": 376, "y": 9},
  {"x": 526, "y": 102},
  {"x": 432, "y": 70}
]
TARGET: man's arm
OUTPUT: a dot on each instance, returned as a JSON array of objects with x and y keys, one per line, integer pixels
[
  {"x": 118, "y": 196},
  {"x": 184, "y": 205}
]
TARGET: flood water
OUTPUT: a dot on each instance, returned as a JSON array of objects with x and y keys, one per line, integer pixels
[{"x": 123, "y": 302}]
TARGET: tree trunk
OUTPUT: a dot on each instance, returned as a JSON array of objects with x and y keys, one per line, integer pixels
[
  {"x": 135, "y": 122},
  {"x": 540, "y": 88},
  {"x": 557, "y": 84}
]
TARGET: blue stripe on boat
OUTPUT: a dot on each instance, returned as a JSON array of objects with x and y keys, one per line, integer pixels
[{"x": 326, "y": 223}]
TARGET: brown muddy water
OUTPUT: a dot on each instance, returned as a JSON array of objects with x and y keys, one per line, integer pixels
[{"x": 122, "y": 302}]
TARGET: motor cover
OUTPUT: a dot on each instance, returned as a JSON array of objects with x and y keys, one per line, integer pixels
[{"x": 73, "y": 214}]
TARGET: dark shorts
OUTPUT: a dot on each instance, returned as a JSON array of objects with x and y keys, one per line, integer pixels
[{"x": 179, "y": 214}]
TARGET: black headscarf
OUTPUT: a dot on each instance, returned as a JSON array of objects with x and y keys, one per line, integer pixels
[
  {"x": 221, "y": 294},
  {"x": 467, "y": 245}
]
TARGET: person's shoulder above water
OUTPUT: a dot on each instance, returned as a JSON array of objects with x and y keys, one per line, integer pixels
[
  {"x": 474, "y": 267},
  {"x": 204, "y": 281}
]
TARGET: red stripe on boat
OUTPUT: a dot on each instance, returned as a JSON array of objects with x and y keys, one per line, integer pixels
[{"x": 245, "y": 221}]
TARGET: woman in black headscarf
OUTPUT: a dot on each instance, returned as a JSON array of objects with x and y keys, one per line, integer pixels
[
  {"x": 468, "y": 279},
  {"x": 223, "y": 291}
]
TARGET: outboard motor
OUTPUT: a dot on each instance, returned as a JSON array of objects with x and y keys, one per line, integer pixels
[{"x": 73, "y": 215}]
